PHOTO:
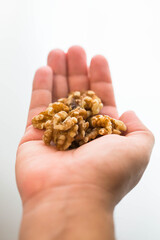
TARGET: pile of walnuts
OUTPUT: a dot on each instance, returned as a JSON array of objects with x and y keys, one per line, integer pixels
[{"x": 73, "y": 121}]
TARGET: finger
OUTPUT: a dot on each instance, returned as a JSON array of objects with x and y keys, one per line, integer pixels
[
  {"x": 77, "y": 69},
  {"x": 57, "y": 61},
  {"x": 41, "y": 92},
  {"x": 101, "y": 84}
]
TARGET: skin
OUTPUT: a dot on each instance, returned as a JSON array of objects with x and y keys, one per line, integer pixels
[{"x": 89, "y": 181}]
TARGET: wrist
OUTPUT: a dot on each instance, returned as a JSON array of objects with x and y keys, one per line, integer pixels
[{"x": 70, "y": 212}]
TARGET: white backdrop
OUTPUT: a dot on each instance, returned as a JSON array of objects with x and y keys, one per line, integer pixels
[{"x": 128, "y": 34}]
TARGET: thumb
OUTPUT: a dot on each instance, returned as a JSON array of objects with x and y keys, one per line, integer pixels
[
  {"x": 140, "y": 142},
  {"x": 133, "y": 123},
  {"x": 137, "y": 130}
]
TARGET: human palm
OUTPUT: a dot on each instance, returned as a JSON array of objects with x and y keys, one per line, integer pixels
[{"x": 112, "y": 163}]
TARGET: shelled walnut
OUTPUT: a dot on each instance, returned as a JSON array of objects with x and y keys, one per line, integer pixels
[{"x": 73, "y": 121}]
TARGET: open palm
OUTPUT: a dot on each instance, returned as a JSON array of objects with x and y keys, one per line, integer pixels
[{"x": 114, "y": 163}]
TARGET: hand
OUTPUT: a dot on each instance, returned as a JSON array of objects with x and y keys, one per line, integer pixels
[{"x": 111, "y": 165}]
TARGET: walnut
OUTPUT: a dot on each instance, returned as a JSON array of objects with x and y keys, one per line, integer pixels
[
  {"x": 83, "y": 126},
  {"x": 71, "y": 122},
  {"x": 47, "y": 137},
  {"x": 87, "y": 100},
  {"x": 101, "y": 122},
  {"x": 92, "y": 134},
  {"x": 118, "y": 126},
  {"x": 63, "y": 139},
  {"x": 62, "y": 121},
  {"x": 40, "y": 120}
]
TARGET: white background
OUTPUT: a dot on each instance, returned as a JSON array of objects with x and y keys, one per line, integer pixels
[{"x": 128, "y": 34}]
